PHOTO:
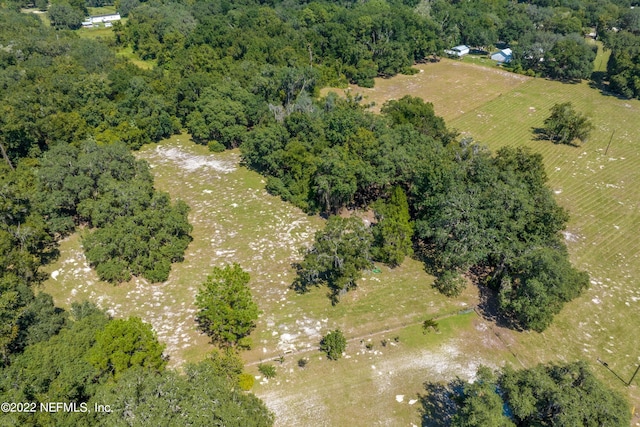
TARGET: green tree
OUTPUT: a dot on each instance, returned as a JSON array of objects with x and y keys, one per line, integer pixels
[
  {"x": 144, "y": 244},
  {"x": 566, "y": 394},
  {"x": 124, "y": 344},
  {"x": 537, "y": 285},
  {"x": 226, "y": 311},
  {"x": 65, "y": 16},
  {"x": 450, "y": 283},
  {"x": 334, "y": 344},
  {"x": 420, "y": 114},
  {"x": 337, "y": 258},
  {"x": 565, "y": 125},
  {"x": 480, "y": 405},
  {"x": 55, "y": 370},
  {"x": 393, "y": 232},
  {"x": 571, "y": 58},
  {"x": 562, "y": 394},
  {"x": 200, "y": 397}
]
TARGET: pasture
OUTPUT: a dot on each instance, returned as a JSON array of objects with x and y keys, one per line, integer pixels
[
  {"x": 454, "y": 87},
  {"x": 598, "y": 188},
  {"x": 235, "y": 220},
  {"x": 601, "y": 193}
]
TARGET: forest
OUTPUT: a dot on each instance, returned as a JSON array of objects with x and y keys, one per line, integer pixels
[{"x": 247, "y": 75}]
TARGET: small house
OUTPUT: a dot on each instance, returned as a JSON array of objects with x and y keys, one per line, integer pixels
[
  {"x": 103, "y": 19},
  {"x": 503, "y": 56},
  {"x": 458, "y": 50}
]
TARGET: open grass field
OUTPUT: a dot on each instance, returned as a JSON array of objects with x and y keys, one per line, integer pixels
[
  {"x": 454, "y": 87},
  {"x": 127, "y": 52},
  {"x": 601, "y": 192},
  {"x": 104, "y": 10},
  {"x": 235, "y": 220}
]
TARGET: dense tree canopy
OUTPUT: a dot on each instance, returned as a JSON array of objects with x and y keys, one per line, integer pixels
[
  {"x": 545, "y": 395},
  {"x": 124, "y": 344},
  {"x": 117, "y": 363},
  {"x": 138, "y": 231},
  {"x": 201, "y": 397}
]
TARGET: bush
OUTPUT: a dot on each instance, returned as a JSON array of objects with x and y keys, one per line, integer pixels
[
  {"x": 246, "y": 381},
  {"x": 303, "y": 362},
  {"x": 430, "y": 325},
  {"x": 216, "y": 147},
  {"x": 269, "y": 371},
  {"x": 334, "y": 344}
]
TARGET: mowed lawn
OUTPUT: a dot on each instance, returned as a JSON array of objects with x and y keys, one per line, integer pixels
[
  {"x": 453, "y": 87},
  {"x": 602, "y": 193}
]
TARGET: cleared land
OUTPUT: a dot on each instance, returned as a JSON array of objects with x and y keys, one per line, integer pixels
[
  {"x": 235, "y": 220},
  {"x": 600, "y": 191},
  {"x": 454, "y": 87}
]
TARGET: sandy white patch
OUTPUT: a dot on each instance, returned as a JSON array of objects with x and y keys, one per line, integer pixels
[{"x": 192, "y": 162}]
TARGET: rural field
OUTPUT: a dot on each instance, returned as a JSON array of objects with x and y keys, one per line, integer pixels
[
  {"x": 454, "y": 87},
  {"x": 235, "y": 220},
  {"x": 598, "y": 188}
]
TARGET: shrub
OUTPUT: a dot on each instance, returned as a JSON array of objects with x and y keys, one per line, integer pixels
[
  {"x": 430, "y": 325},
  {"x": 246, "y": 381},
  {"x": 268, "y": 370},
  {"x": 334, "y": 344},
  {"x": 216, "y": 147}
]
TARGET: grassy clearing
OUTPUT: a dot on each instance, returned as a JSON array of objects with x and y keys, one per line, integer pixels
[
  {"x": 378, "y": 386},
  {"x": 235, "y": 220},
  {"x": 44, "y": 16},
  {"x": 454, "y": 87},
  {"x": 104, "y": 10},
  {"x": 601, "y": 193},
  {"x": 602, "y": 57},
  {"x": 127, "y": 52},
  {"x": 96, "y": 32}
]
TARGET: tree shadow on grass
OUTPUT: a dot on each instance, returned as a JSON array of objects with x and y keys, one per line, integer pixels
[
  {"x": 439, "y": 403},
  {"x": 540, "y": 134},
  {"x": 489, "y": 309},
  {"x": 599, "y": 83}
]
